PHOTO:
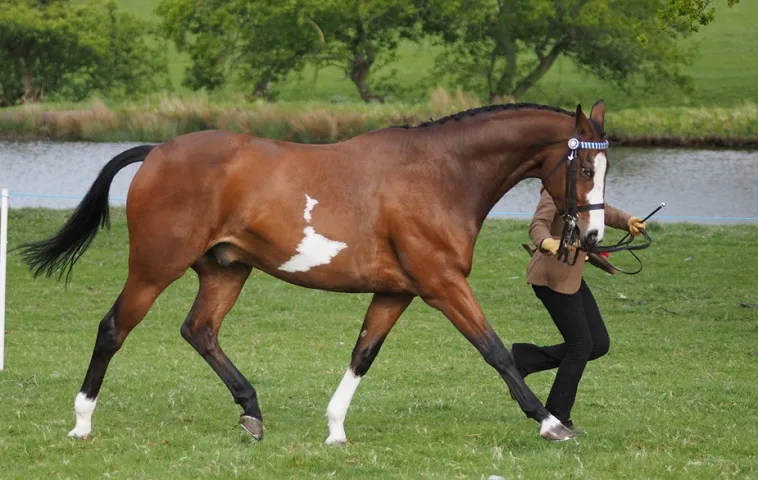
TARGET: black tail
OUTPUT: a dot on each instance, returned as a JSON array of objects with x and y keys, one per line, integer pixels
[{"x": 61, "y": 251}]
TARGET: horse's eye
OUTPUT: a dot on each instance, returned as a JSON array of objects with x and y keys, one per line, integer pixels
[{"x": 588, "y": 172}]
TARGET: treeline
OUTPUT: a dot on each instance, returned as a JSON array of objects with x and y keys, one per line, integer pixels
[
  {"x": 65, "y": 50},
  {"x": 495, "y": 49}
]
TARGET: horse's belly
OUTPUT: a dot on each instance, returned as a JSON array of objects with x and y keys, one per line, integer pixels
[
  {"x": 340, "y": 276},
  {"x": 322, "y": 263}
]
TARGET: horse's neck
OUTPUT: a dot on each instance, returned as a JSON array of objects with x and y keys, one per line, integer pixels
[{"x": 497, "y": 154}]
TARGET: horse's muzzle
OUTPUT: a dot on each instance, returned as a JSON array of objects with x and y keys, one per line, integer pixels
[{"x": 591, "y": 239}]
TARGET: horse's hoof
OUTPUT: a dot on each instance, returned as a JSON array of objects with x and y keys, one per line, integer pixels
[
  {"x": 253, "y": 426},
  {"x": 79, "y": 433},
  {"x": 340, "y": 442},
  {"x": 553, "y": 430}
]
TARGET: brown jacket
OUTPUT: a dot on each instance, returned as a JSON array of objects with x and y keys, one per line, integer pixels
[{"x": 544, "y": 268}]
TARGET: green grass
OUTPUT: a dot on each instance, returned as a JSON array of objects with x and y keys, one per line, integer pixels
[
  {"x": 675, "y": 398},
  {"x": 723, "y": 72}
]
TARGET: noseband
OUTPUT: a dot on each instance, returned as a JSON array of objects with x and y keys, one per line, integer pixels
[{"x": 570, "y": 238}]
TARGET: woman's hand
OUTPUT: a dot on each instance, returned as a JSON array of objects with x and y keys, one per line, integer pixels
[
  {"x": 550, "y": 245},
  {"x": 635, "y": 225}
]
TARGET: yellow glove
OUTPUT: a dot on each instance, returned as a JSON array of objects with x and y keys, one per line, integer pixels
[
  {"x": 550, "y": 245},
  {"x": 635, "y": 224}
]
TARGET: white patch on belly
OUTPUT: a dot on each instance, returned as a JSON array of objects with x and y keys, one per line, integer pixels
[
  {"x": 597, "y": 195},
  {"x": 314, "y": 249}
]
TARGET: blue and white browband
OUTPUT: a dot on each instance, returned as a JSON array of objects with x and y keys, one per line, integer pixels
[{"x": 576, "y": 144}]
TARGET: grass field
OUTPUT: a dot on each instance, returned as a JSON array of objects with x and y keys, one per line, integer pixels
[
  {"x": 723, "y": 72},
  {"x": 675, "y": 398}
]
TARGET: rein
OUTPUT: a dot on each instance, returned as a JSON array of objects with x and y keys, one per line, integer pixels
[
  {"x": 626, "y": 244},
  {"x": 567, "y": 252}
]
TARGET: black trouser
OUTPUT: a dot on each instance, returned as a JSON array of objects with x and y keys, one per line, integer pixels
[{"x": 585, "y": 338}]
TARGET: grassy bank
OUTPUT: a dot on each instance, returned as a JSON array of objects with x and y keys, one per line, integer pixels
[
  {"x": 164, "y": 117},
  {"x": 723, "y": 72},
  {"x": 721, "y": 109},
  {"x": 675, "y": 398}
]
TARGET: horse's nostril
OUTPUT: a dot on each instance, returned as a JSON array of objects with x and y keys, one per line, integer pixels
[{"x": 591, "y": 238}]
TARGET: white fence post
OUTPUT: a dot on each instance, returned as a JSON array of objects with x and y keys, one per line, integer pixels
[{"x": 3, "y": 264}]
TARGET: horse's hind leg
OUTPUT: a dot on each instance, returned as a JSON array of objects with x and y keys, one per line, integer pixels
[
  {"x": 380, "y": 318},
  {"x": 130, "y": 308},
  {"x": 219, "y": 289}
]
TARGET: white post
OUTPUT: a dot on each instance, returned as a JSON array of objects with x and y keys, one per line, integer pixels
[{"x": 3, "y": 263}]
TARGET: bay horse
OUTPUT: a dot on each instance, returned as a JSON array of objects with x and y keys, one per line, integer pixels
[{"x": 394, "y": 212}]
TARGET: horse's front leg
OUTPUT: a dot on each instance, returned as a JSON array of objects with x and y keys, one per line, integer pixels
[
  {"x": 451, "y": 293},
  {"x": 380, "y": 318}
]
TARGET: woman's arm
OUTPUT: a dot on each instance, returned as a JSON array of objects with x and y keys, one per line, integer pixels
[
  {"x": 617, "y": 219},
  {"x": 539, "y": 229}
]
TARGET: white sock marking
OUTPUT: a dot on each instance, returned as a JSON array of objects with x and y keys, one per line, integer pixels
[
  {"x": 338, "y": 405},
  {"x": 597, "y": 195},
  {"x": 548, "y": 424},
  {"x": 83, "y": 408},
  {"x": 314, "y": 249}
]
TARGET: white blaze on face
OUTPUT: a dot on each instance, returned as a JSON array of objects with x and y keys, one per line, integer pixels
[
  {"x": 314, "y": 249},
  {"x": 338, "y": 405},
  {"x": 597, "y": 195}
]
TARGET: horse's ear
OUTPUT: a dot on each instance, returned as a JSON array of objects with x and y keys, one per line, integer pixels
[
  {"x": 597, "y": 114},
  {"x": 583, "y": 126}
]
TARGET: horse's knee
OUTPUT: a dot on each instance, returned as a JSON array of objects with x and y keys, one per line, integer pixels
[{"x": 201, "y": 339}]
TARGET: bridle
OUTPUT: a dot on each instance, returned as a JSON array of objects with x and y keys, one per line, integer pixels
[{"x": 571, "y": 242}]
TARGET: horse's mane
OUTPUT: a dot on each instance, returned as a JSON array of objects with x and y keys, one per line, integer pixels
[{"x": 495, "y": 108}]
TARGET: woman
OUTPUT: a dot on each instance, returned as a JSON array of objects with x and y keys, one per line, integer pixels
[{"x": 571, "y": 305}]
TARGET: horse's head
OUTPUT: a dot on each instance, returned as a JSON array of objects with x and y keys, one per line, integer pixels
[{"x": 576, "y": 174}]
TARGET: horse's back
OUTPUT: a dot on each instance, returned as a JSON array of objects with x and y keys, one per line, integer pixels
[{"x": 308, "y": 214}]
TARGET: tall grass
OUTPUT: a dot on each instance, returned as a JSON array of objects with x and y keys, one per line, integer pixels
[{"x": 162, "y": 117}]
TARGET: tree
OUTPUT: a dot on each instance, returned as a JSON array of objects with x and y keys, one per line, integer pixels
[
  {"x": 259, "y": 42},
  {"x": 238, "y": 41},
  {"x": 361, "y": 35},
  {"x": 132, "y": 55},
  {"x": 503, "y": 47},
  {"x": 689, "y": 15},
  {"x": 62, "y": 49}
]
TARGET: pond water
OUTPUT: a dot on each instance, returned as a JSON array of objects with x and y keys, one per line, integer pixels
[{"x": 704, "y": 186}]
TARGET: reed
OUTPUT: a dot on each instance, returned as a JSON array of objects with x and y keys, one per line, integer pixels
[{"x": 162, "y": 117}]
